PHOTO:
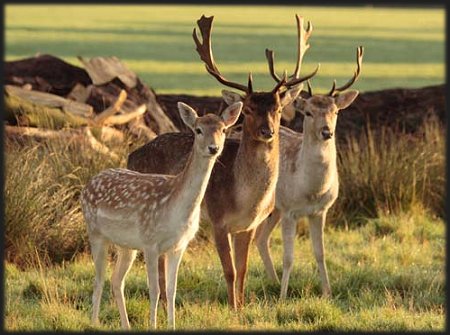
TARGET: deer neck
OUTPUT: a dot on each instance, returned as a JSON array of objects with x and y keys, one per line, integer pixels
[
  {"x": 190, "y": 184},
  {"x": 256, "y": 166}
]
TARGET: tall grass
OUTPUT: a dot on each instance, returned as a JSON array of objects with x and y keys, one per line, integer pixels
[
  {"x": 42, "y": 187},
  {"x": 387, "y": 171}
]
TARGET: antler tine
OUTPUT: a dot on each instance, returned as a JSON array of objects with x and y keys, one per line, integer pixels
[
  {"x": 302, "y": 45},
  {"x": 309, "y": 88},
  {"x": 281, "y": 82},
  {"x": 359, "y": 57},
  {"x": 270, "y": 56},
  {"x": 205, "y": 52},
  {"x": 333, "y": 88},
  {"x": 250, "y": 83},
  {"x": 296, "y": 81}
]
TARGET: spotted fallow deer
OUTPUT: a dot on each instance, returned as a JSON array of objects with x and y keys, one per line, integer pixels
[
  {"x": 156, "y": 213},
  {"x": 308, "y": 183},
  {"x": 241, "y": 190}
]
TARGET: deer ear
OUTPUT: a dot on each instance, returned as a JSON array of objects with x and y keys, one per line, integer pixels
[
  {"x": 188, "y": 114},
  {"x": 289, "y": 96},
  {"x": 231, "y": 114},
  {"x": 230, "y": 97},
  {"x": 300, "y": 105},
  {"x": 344, "y": 100}
]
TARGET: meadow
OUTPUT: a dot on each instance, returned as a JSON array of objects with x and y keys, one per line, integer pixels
[
  {"x": 404, "y": 47},
  {"x": 385, "y": 236}
]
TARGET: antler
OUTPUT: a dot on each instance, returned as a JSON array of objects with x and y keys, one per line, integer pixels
[
  {"x": 359, "y": 57},
  {"x": 280, "y": 83},
  {"x": 302, "y": 45},
  {"x": 205, "y": 52},
  {"x": 310, "y": 89}
]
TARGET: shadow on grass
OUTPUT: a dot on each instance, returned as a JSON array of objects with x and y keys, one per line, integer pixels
[{"x": 242, "y": 46}]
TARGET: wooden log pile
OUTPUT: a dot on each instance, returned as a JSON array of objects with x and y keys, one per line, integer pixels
[{"x": 46, "y": 92}]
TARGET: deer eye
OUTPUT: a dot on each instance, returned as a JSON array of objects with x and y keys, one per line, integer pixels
[{"x": 198, "y": 130}]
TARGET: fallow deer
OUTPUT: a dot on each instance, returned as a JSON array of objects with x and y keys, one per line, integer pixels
[
  {"x": 156, "y": 213},
  {"x": 308, "y": 183},
  {"x": 241, "y": 190}
]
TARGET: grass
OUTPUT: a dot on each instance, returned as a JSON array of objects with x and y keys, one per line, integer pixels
[
  {"x": 383, "y": 279},
  {"x": 403, "y": 47}
]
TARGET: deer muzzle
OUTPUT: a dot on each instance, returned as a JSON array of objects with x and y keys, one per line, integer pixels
[
  {"x": 326, "y": 133},
  {"x": 266, "y": 132},
  {"x": 213, "y": 149}
]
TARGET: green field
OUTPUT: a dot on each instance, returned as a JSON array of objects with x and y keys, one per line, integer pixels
[
  {"x": 403, "y": 47},
  {"x": 385, "y": 235},
  {"x": 387, "y": 276}
]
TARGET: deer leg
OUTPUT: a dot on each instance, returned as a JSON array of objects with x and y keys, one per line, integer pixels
[
  {"x": 241, "y": 248},
  {"x": 316, "y": 226},
  {"x": 173, "y": 263},
  {"x": 223, "y": 246},
  {"x": 162, "y": 266},
  {"x": 99, "y": 249},
  {"x": 288, "y": 230},
  {"x": 262, "y": 238},
  {"x": 151, "y": 260},
  {"x": 125, "y": 259}
]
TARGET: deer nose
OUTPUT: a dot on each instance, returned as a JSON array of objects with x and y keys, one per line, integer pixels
[
  {"x": 326, "y": 133},
  {"x": 266, "y": 132},
  {"x": 213, "y": 149}
]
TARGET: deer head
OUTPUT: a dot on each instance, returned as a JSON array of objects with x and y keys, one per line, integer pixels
[
  {"x": 321, "y": 111},
  {"x": 262, "y": 110},
  {"x": 209, "y": 129}
]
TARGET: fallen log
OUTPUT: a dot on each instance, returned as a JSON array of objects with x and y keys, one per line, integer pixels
[
  {"x": 127, "y": 117},
  {"x": 155, "y": 117},
  {"x": 51, "y": 100},
  {"x": 21, "y": 112},
  {"x": 102, "y": 117},
  {"x": 102, "y": 70},
  {"x": 80, "y": 136},
  {"x": 78, "y": 93}
]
